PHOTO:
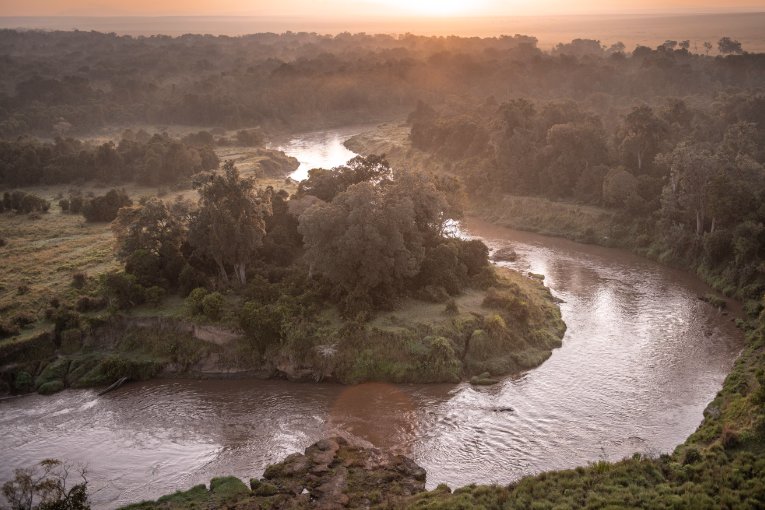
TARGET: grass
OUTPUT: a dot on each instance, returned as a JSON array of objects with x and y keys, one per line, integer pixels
[
  {"x": 583, "y": 223},
  {"x": 41, "y": 255}
]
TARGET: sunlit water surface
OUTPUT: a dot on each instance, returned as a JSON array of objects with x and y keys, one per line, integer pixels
[{"x": 640, "y": 360}]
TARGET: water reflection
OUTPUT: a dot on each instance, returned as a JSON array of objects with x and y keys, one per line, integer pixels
[{"x": 319, "y": 149}]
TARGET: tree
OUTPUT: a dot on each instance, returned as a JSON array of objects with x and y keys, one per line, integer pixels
[
  {"x": 45, "y": 488},
  {"x": 619, "y": 188},
  {"x": 370, "y": 241},
  {"x": 571, "y": 150},
  {"x": 326, "y": 184},
  {"x": 229, "y": 225},
  {"x": 642, "y": 134},
  {"x": 104, "y": 208},
  {"x": 692, "y": 168},
  {"x": 617, "y": 47},
  {"x": 149, "y": 239},
  {"x": 707, "y": 47},
  {"x": 728, "y": 46}
]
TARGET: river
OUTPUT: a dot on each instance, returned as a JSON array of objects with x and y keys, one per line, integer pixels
[{"x": 640, "y": 360}]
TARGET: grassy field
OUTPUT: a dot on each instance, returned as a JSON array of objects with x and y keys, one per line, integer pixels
[{"x": 44, "y": 250}]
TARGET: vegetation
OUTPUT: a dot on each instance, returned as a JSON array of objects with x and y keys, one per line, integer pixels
[
  {"x": 300, "y": 81},
  {"x": 353, "y": 277},
  {"x": 137, "y": 157},
  {"x": 45, "y": 488},
  {"x": 310, "y": 296}
]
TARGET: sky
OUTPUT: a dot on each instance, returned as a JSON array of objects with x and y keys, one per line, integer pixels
[{"x": 348, "y": 9}]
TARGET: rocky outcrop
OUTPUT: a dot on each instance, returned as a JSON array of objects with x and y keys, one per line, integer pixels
[
  {"x": 333, "y": 474},
  {"x": 330, "y": 474}
]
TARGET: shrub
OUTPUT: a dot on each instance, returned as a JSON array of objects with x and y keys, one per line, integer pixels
[
  {"x": 22, "y": 202},
  {"x": 262, "y": 323},
  {"x": 190, "y": 279},
  {"x": 495, "y": 325},
  {"x": 155, "y": 295},
  {"x": 64, "y": 205},
  {"x": 194, "y": 301},
  {"x": 212, "y": 305},
  {"x": 8, "y": 329},
  {"x": 250, "y": 137},
  {"x": 89, "y": 304},
  {"x": 23, "y": 382},
  {"x": 51, "y": 387},
  {"x": 451, "y": 307},
  {"x": 79, "y": 280},
  {"x": 122, "y": 290},
  {"x": 104, "y": 208},
  {"x": 23, "y": 319},
  {"x": 432, "y": 294},
  {"x": 507, "y": 301},
  {"x": 76, "y": 203}
]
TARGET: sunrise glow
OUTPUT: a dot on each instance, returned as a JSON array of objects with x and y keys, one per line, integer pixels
[{"x": 434, "y": 8}]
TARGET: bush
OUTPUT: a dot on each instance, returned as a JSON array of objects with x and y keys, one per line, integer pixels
[
  {"x": 76, "y": 203},
  {"x": 8, "y": 329},
  {"x": 155, "y": 295},
  {"x": 64, "y": 205},
  {"x": 432, "y": 294},
  {"x": 104, "y": 208},
  {"x": 212, "y": 306},
  {"x": 79, "y": 280},
  {"x": 250, "y": 137},
  {"x": 89, "y": 304},
  {"x": 23, "y": 202},
  {"x": 23, "y": 319},
  {"x": 23, "y": 382},
  {"x": 194, "y": 301},
  {"x": 122, "y": 290},
  {"x": 190, "y": 279},
  {"x": 51, "y": 387},
  {"x": 507, "y": 301}
]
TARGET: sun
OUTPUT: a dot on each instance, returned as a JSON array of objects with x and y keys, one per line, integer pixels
[{"x": 431, "y": 7}]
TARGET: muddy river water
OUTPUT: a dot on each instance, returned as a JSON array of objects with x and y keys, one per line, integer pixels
[{"x": 640, "y": 360}]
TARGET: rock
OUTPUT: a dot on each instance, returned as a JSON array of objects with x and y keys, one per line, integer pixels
[
  {"x": 332, "y": 474},
  {"x": 506, "y": 254}
]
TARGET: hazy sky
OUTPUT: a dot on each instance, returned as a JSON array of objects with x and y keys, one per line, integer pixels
[{"x": 347, "y": 8}]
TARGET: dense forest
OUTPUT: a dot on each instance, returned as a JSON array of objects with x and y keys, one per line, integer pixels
[
  {"x": 69, "y": 83},
  {"x": 137, "y": 157},
  {"x": 687, "y": 182}
]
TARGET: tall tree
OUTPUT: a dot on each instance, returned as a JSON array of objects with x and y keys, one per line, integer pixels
[
  {"x": 641, "y": 138},
  {"x": 692, "y": 169},
  {"x": 229, "y": 225}
]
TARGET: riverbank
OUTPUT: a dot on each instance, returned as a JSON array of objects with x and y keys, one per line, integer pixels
[
  {"x": 512, "y": 325},
  {"x": 577, "y": 222},
  {"x": 719, "y": 466},
  {"x": 619, "y": 351}
]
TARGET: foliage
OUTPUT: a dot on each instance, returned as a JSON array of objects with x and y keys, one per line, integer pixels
[
  {"x": 147, "y": 160},
  {"x": 229, "y": 225},
  {"x": 105, "y": 208},
  {"x": 45, "y": 488},
  {"x": 22, "y": 202}
]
